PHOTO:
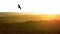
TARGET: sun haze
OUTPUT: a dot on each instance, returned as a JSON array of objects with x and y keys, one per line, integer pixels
[{"x": 35, "y": 6}]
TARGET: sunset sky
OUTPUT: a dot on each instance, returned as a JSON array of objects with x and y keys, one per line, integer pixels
[{"x": 36, "y": 6}]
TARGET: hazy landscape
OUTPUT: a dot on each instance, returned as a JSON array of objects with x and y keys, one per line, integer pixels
[{"x": 15, "y": 23}]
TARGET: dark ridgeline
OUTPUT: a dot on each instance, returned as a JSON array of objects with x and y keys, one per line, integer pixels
[
  {"x": 19, "y": 6},
  {"x": 28, "y": 27}
]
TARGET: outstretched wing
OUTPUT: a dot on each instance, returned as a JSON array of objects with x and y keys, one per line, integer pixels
[{"x": 19, "y": 6}]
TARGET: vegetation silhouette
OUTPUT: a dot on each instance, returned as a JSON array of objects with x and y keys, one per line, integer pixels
[{"x": 28, "y": 27}]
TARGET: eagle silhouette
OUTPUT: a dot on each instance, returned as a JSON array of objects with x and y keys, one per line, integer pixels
[{"x": 19, "y": 6}]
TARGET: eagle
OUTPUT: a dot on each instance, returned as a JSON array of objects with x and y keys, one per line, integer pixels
[{"x": 19, "y": 6}]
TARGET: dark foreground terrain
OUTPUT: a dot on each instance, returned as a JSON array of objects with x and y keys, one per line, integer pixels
[
  {"x": 28, "y": 27},
  {"x": 13, "y": 23}
]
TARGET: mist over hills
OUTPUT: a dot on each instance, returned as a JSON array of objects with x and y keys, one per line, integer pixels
[
  {"x": 22, "y": 17},
  {"x": 17, "y": 17}
]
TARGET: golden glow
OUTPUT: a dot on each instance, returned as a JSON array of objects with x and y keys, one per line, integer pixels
[
  {"x": 46, "y": 12},
  {"x": 49, "y": 16}
]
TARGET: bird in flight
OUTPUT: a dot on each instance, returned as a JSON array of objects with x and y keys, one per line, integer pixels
[{"x": 19, "y": 6}]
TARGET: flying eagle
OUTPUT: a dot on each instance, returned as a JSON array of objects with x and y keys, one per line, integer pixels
[{"x": 19, "y": 6}]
